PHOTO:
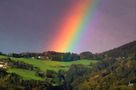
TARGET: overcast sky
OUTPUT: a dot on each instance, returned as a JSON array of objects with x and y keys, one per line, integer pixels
[{"x": 29, "y": 25}]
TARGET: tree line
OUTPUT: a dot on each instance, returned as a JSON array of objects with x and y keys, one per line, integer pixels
[{"x": 57, "y": 56}]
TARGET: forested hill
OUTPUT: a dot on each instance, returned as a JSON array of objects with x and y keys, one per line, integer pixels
[
  {"x": 116, "y": 71},
  {"x": 116, "y": 74},
  {"x": 127, "y": 50}
]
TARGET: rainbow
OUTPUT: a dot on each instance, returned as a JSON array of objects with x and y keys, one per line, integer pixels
[{"x": 73, "y": 25}]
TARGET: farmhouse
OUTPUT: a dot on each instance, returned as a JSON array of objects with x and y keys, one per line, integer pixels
[
  {"x": 132, "y": 83},
  {"x": 3, "y": 65}
]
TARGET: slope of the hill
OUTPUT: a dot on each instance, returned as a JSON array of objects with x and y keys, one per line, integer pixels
[
  {"x": 119, "y": 74},
  {"x": 117, "y": 71},
  {"x": 127, "y": 50}
]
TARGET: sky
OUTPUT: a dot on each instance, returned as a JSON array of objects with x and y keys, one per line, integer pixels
[{"x": 31, "y": 25}]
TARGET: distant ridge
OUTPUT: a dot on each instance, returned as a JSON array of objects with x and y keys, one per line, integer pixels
[{"x": 127, "y": 50}]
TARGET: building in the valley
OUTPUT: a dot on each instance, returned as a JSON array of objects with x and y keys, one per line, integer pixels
[{"x": 3, "y": 65}]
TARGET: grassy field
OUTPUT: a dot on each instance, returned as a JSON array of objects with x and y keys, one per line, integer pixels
[
  {"x": 53, "y": 65},
  {"x": 25, "y": 74},
  {"x": 3, "y": 57},
  {"x": 44, "y": 65}
]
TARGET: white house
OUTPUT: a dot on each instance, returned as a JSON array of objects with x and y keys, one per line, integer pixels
[
  {"x": 130, "y": 84},
  {"x": 3, "y": 65}
]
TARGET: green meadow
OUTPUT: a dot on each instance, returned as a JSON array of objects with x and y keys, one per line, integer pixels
[
  {"x": 44, "y": 65},
  {"x": 25, "y": 74},
  {"x": 3, "y": 57}
]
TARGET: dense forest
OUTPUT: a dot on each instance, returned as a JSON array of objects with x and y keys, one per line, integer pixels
[{"x": 115, "y": 70}]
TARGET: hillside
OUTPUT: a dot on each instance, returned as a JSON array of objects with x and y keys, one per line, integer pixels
[
  {"x": 18, "y": 64},
  {"x": 127, "y": 50},
  {"x": 118, "y": 75},
  {"x": 117, "y": 71},
  {"x": 33, "y": 73}
]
